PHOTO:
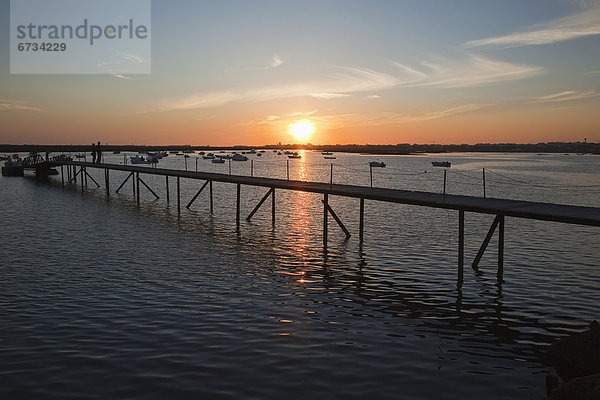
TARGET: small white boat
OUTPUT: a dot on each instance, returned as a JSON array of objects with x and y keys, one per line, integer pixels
[
  {"x": 152, "y": 159},
  {"x": 209, "y": 156},
  {"x": 294, "y": 155},
  {"x": 379, "y": 164},
  {"x": 327, "y": 153},
  {"x": 79, "y": 155},
  {"x": 138, "y": 160},
  {"x": 329, "y": 157},
  {"x": 441, "y": 164},
  {"x": 218, "y": 161},
  {"x": 259, "y": 154}
]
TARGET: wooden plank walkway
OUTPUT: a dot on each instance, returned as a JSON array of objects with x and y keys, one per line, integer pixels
[{"x": 569, "y": 214}]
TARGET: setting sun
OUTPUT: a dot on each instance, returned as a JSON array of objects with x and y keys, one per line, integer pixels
[{"x": 302, "y": 130}]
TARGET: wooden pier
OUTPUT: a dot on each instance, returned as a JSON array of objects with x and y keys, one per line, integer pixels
[{"x": 500, "y": 208}]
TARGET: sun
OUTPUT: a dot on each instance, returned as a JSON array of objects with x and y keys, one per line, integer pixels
[{"x": 302, "y": 130}]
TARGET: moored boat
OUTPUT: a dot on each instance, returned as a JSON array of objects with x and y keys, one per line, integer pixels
[
  {"x": 13, "y": 166},
  {"x": 239, "y": 157},
  {"x": 138, "y": 159}
]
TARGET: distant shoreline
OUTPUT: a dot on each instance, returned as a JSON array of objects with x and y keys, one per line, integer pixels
[{"x": 400, "y": 149}]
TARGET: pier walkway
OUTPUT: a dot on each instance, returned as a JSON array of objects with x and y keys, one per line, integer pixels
[{"x": 500, "y": 208}]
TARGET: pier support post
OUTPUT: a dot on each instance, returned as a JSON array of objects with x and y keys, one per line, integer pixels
[
  {"x": 484, "y": 194},
  {"x": 211, "y": 196},
  {"x": 461, "y": 246},
  {"x": 445, "y": 181},
  {"x": 140, "y": 180},
  {"x": 501, "y": 249},
  {"x": 137, "y": 181},
  {"x": 91, "y": 177},
  {"x": 486, "y": 241},
  {"x": 361, "y": 220},
  {"x": 167, "y": 184},
  {"x": 178, "y": 198},
  {"x": 106, "y": 180},
  {"x": 331, "y": 176},
  {"x": 237, "y": 208},
  {"x": 325, "y": 204},
  {"x": 260, "y": 203},
  {"x": 82, "y": 178},
  {"x": 336, "y": 218},
  {"x": 124, "y": 182},
  {"x": 62, "y": 176},
  {"x": 273, "y": 206},
  {"x": 196, "y": 195}
]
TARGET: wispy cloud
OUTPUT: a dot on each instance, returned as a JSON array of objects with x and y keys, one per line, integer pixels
[
  {"x": 340, "y": 83},
  {"x": 132, "y": 58},
  {"x": 337, "y": 121},
  {"x": 568, "y": 95},
  {"x": 583, "y": 23},
  {"x": 17, "y": 105},
  {"x": 275, "y": 62},
  {"x": 120, "y": 76},
  {"x": 468, "y": 71},
  {"x": 269, "y": 119},
  {"x": 388, "y": 118},
  {"x": 328, "y": 95}
]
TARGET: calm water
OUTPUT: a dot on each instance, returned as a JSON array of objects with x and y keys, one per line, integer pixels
[{"x": 102, "y": 299}]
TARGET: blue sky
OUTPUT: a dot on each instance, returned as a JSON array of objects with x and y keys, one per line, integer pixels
[{"x": 240, "y": 72}]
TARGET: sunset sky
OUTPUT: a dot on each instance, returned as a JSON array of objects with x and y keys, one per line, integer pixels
[{"x": 379, "y": 72}]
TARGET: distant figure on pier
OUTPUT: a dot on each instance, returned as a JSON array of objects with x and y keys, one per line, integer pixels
[
  {"x": 93, "y": 153},
  {"x": 99, "y": 151}
]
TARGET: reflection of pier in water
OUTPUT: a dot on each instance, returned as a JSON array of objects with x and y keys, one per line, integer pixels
[{"x": 500, "y": 208}]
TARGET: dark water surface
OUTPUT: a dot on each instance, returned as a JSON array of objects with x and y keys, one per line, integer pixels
[{"x": 102, "y": 299}]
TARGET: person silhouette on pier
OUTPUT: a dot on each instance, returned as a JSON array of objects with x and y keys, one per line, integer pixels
[
  {"x": 98, "y": 153},
  {"x": 93, "y": 153}
]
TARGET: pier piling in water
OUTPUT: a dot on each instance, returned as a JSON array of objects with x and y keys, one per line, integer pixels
[
  {"x": 461, "y": 246},
  {"x": 178, "y": 197},
  {"x": 237, "y": 208}
]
